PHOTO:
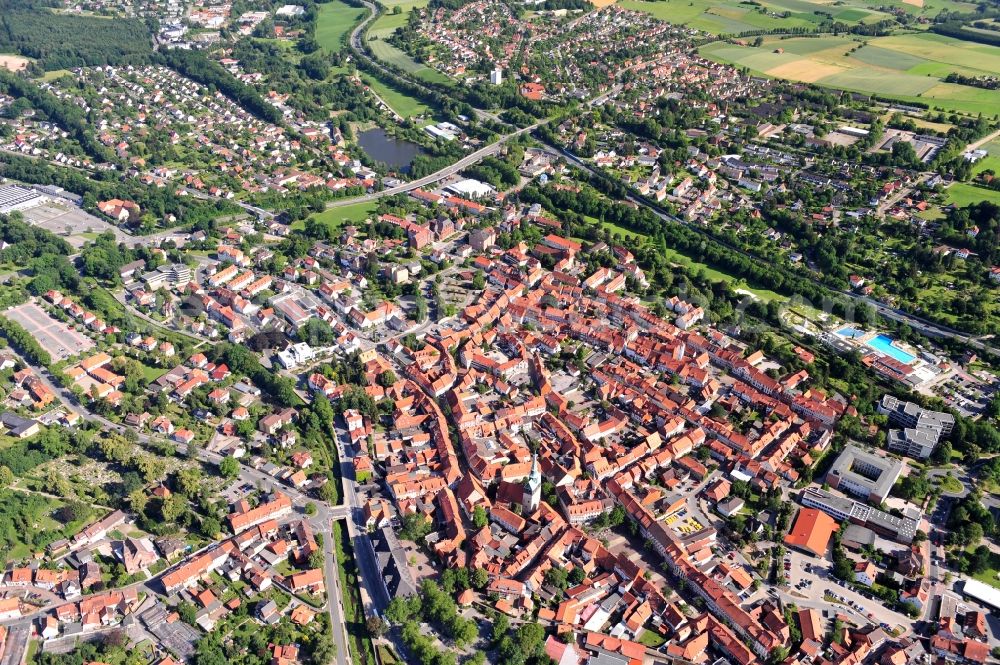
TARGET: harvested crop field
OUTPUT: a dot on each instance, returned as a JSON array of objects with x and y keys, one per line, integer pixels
[
  {"x": 13, "y": 63},
  {"x": 908, "y": 67}
]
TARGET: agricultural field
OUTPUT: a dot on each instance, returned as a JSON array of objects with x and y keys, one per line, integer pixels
[
  {"x": 13, "y": 63},
  {"x": 335, "y": 21},
  {"x": 908, "y": 67},
  {"x": 722, "y": 17}
]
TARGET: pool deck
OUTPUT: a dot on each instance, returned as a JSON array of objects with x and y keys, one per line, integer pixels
[{"x": 861, "y": 342}]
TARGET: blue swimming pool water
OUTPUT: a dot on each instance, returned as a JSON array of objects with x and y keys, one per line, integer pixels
[
  {"x": 884, "y": 345},
  {"x": 850, "y": 333}
]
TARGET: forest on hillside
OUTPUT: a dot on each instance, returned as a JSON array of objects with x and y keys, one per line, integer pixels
[{"x": 59, "y": 41}]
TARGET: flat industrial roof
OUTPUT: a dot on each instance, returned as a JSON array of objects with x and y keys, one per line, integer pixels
[{"x": 984, "y": 593}]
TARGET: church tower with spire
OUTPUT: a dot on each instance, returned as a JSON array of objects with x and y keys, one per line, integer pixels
[{"x": 532, "y": 490}]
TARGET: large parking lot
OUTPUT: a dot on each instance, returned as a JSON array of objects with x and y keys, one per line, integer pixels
[
  {"x": 56, "y": 337},
  {"x": 965, "y": 393},
  {"x": 811, "y": 580},
  {"x": 65, "y": 219}
]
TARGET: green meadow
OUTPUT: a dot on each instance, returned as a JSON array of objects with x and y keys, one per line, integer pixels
[{"x": 335, "y": 21}]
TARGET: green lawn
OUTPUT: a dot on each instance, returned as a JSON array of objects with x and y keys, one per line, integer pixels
[
  {"x": 992, "y": 159},
  {"x": 54, "y": 74},
  {"x": 718, "y": 276},
  {"x": 33, "y": 515},
  {"x": 963, "y": 194},
  {"x": 651, "y": 639},
  {"x": 383, "y": 27},
  {"x": 388, "y": 53},
  {"x": 355, "y": 213},
  {"x": 401, "y": 103},
  {"x": 989, "y": 576},
  {"x": 152, "y": 373},
  {"x": 387, "y": 23},
  {"x": 334, "y": 23},
  {"x": 387, "y": 655},
  {"x": 354, "y": 614},
  {"x": 950, "y": 484}
]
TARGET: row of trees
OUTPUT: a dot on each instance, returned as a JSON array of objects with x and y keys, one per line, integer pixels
[
  {"x": 683, "y": 239},
  {"x": 958, "y": 30},
  {"x": 25, "y": 344}
]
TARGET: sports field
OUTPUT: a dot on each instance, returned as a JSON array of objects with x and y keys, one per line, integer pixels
[
  {"x": 335, "y": 21},
  {"x": 962, "y": 194},
  {"x": 731, "y": 17},
  {"x": 909, "y": 67},
  {"x": 355, "y": 213}
]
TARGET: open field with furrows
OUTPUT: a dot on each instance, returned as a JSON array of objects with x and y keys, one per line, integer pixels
[
  {"x": 727, "y": 17},
  {"x": 909, "y": 67},
  {"x": 335, "y": 21}
]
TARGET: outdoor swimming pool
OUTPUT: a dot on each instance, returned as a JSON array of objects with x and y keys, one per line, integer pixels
[
  {"x": 884, "y": 345},
  {"x": 850, "y": 333}
]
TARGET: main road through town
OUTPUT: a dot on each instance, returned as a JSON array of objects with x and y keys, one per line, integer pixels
[{"x": 437, "y": 176}]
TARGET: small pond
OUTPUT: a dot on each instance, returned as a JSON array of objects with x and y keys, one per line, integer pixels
[{"x": 394, "y": 153}]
